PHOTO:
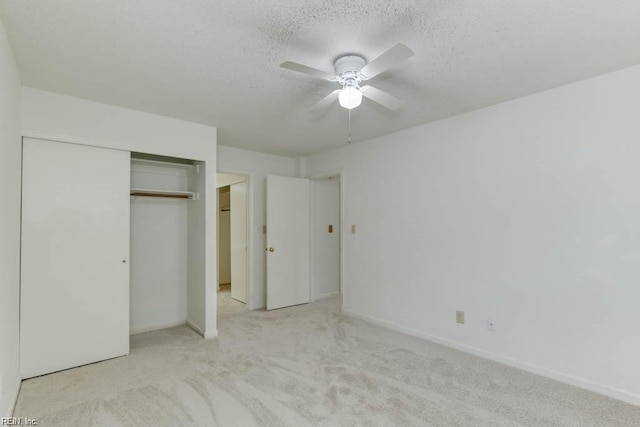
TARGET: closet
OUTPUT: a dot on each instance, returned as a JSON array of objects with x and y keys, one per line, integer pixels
[
  {"x": 160, "y": 199},
  {"x": 112, "y": 243}
]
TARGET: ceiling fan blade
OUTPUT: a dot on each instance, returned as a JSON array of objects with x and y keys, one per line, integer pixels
[
  {"x": 325, "y": 102},
  {"x": 294, "y": 66},
  {"x": 381, "y": 97},
  {"x": 392, "y": 57}
]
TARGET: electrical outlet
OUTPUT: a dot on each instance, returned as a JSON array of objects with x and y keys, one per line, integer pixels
[
  {"x": 460, "y": 317},
  {"x": 491, "y": 325}
]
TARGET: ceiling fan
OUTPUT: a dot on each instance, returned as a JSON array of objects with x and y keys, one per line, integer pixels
[{"x": 350, "y": 72}]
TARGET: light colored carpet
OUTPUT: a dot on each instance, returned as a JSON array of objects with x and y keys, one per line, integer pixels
[
  {"x": 227, "y": 306},
  {"x": 306, "y": 365}
]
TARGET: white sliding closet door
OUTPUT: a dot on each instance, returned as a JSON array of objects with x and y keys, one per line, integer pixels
[{"x": 74, "y": 306}]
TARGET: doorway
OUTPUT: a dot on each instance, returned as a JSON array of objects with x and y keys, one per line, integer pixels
[
  {"x": 327, "y": 237},
  {"x": 304, "y": 239},
  {"x": 232, "y": 254}
]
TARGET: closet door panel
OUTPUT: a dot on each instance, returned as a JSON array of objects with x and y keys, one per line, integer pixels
[{"x": 75, "y": 256}]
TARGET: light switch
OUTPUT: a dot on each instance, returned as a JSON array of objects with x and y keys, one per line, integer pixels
[
  {"x": 330, "y": 228},
  {"x": 353, "y": 229}
]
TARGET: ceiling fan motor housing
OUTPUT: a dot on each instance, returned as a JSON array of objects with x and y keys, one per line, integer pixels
[{"x": 348, "y": 68}]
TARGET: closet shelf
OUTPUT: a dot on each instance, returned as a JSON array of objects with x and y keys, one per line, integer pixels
[{"x": 167, "y": 194}]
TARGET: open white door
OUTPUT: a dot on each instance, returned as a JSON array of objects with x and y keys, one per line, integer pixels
[
  {"x": 74, "y": 293},
  {"x": 239, "y": 241},
  {"x": 287, "y": 241}
]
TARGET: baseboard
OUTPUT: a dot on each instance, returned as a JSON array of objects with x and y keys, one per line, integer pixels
[
  {"x": 325, "y": 296},
  {"x": 156, "y": 327},
  {"x": 206, "y": 335},
  {"x": 612, "y": 392},
  {"x": 12, "y": 402},
  {"x": 209, "y": 335},
  {"x": 195, "y": 328}
]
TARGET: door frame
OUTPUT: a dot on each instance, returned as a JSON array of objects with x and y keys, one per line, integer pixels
[
  {"x": 249, "y": 206},
  {"x": 339, "y": 173}
]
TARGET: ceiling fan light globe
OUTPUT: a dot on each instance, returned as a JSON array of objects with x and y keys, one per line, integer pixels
[{"x": 350, "y": 97}]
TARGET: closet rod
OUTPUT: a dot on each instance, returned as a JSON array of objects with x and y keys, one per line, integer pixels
[{"x": 185, "y": 195}]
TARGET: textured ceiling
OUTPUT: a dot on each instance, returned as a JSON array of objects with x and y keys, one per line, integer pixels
[{"x": 217, "y": 62}]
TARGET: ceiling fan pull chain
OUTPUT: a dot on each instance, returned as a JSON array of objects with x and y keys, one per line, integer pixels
[{"x": 349, "y": 138}]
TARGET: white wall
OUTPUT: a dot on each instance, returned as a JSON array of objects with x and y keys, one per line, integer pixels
[
  {"x": 224, "y": 179},
  {"x": 326, "y": 246},
  {"x": 525, "y": 212},
  {"x": 199, "y": 304},
  {"x": 53, "y": 116},
  {"x": 224, "y": 237},
  {"x": 10, "y": 175},
  {"x": 158, "y": 267},
  {"x": 257, "y": 166}
]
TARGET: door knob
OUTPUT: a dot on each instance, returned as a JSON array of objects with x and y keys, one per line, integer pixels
[{"x": 272, "y": 249}]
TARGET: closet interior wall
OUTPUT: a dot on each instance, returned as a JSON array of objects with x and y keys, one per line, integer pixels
[{"x": 159, "y": 246}]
